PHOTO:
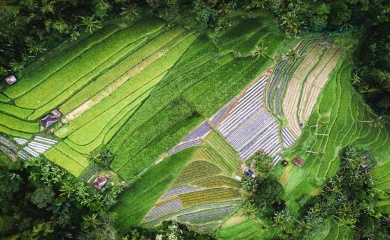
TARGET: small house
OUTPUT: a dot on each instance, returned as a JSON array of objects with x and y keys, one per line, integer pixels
[
  {"x": 56, "y": 113},
  {"x": 297, "y": 161},
  {"x": 10, "y": 79},
  {"x": 48, "y": 121},
  {"x": 99, "y": 182}
]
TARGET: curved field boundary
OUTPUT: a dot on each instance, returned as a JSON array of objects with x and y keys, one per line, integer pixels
[
  {"x": 39, "y": 74},
  {"x": 152, "y": 65},
  {"x": 81, "y": 66},
  {"x": 4, "y": 98},
  {"x": 116, "y": 102},
  {"x": 87, "y": 80},
  {"x": 63, "y": 160},
  {"x": 121, "y": 68},
  {"x": 15, "y": 111},
  {"x": 18, "y": 124},
  {"x": 162, "y": 96}
]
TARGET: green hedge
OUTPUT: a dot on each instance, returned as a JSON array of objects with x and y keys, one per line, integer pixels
[
  {"x": 140, "y": 138},
  {"x": 122, "y": 67},
  {"x": 83, "y": 65},
  {"x": 15, "y": 111},
  {"x": 44, "y": 67},
  {"x": 159, "y": 145},
  {"x": 17, "y": 124}
]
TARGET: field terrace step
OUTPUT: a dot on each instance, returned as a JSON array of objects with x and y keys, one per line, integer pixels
[
  {"x": 9, "y": 153},
  {"x": 31, "y": 151},
  {"x": 164, "y": 209},
  {"x": 288, "y": 138},
  {"x": 199, "y": 132},
  {"x": 220, "y": 113},
  {"x": 178, "y": 190},
  {"x": 277, "y": 159},
  {"x": 249, "y": 131},
  {"x": 8, "y": 143},
  {"x": 185, "y": 145},
  {"x": 24, "y": 155},
  {"x": 269, "y": 134},
  {"x": 193, "y": 209},
  {"x": 20, "y": 141}
]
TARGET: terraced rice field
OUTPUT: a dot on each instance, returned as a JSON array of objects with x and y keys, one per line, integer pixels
[{"x": 202, "y": 195}]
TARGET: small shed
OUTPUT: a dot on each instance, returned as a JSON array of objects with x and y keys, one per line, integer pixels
[
  {"x": 99, "y": 182},
  {"x": 56, "y": 113},
  {"x": 48, "y": 121},
  {"x": 11, "y": 79},
  {"x": 297, "y": 161}
]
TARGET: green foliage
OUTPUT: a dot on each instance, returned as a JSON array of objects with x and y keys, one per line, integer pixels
[
  {"x": 42, "y": 197},
  {"x": 15, "y": 111}
]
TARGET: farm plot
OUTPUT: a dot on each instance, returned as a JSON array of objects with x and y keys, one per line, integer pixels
[
  {"x": 247, "y": 126},
  {"x": 79, "y": 67},
  {"x": 56, "y": 59},
  {"x": 135, "y": 203},
  {"x": 201, "y": 188}
]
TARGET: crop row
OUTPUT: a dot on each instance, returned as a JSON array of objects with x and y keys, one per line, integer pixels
[
  {"x": 93, "y": 126},
  {"x": 217, "y": 181},
  {"x": 150, "y": 130},
  {"x": 162, "y": 143},
  {"x": 165, "y": 92},
  {"x": 79, "y": 67},
  {"x": 230, "y": 80},
  {"x": 192, "y": 209},
  {"x": 207, "y": 215},
  {"x": 15, "y": 111},
  {"x": 80, "y": 85},
  {"x": 127, "y": 65},
  {"x": 106, "y": 131},
  {"x": 208, "y": 196},
  {"x": 4, "y": 98},
  {"x": 197, "y": 170},
  {"x": 17, "y": 124},
  {"x": 135, "y": 204},
  {"x": 36, "y": 73},
  {"x": 64, "y": 161}
]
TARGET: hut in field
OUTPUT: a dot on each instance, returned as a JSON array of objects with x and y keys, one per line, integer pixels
[
  {"x": 297, "y": 161},
  {"x": 10, "y": 79},
  {"x": 48, "y": 121},
  {"x": 56, "y": 113},
  {"x": 99, "y": 182}
]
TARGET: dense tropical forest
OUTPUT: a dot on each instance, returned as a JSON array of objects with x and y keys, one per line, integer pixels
[
  {"x": 171, "y": 141},
  {"x": 30, "y": 27}
]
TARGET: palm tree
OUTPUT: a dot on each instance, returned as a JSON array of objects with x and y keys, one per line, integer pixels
[
  {"x": 35, "y": 48},
  {"x": 90, "y": 23},
  {"x": 249, "y": 209},
  {"x": 355, "y": 79},
  {"x": 291, "y": 55},
  {"x": 90, "y": 221},
  {"x": 260, "y": 51},
  {"x": 130, "y": 10},
  {"x": 67, "y": 189},
  {"x": 16, "y": 66},
  {"x": 259, "y": 3}
]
